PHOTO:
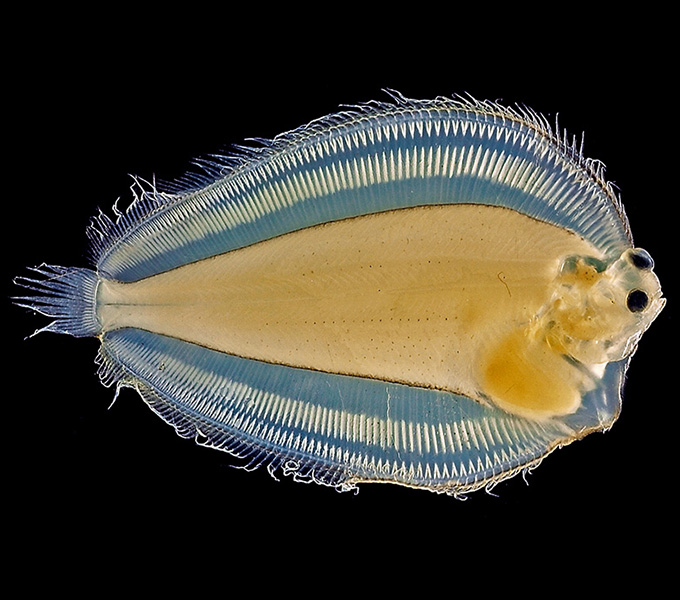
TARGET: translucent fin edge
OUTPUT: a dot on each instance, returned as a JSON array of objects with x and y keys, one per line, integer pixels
[
  {"x": 148, "y": 198},
  {"x": 67, "y": 294}
]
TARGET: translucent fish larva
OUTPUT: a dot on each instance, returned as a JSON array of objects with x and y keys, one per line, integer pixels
[{"x": 430, "y": 293}]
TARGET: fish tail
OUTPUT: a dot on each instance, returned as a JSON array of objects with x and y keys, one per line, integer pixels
[{"x": 67, "y": 294}]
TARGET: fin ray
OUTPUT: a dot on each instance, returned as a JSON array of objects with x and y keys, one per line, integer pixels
[
  {"x": 333, "y": 429},
  {"x": 67, "y": 294},
  {"x": 368, "y": 159}
]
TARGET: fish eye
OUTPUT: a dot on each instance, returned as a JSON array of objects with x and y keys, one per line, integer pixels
[
  {"x": 642, "y": 260},
  {"x": 637, "y": 301}
]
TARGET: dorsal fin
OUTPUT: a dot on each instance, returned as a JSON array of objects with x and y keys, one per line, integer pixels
[{"x": 368, "y": 158}]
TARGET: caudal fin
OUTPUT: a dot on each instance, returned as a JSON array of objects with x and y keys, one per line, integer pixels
[{"x": 67, "y": 294}]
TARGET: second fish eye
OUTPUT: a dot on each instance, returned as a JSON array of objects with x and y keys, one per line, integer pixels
[{"x": 641, "y": 260}]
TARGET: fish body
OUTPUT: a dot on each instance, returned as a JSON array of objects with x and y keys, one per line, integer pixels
[{"x": 430, "y": 293}]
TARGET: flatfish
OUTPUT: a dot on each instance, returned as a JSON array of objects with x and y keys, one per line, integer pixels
[{"x": 432, "y": 293}]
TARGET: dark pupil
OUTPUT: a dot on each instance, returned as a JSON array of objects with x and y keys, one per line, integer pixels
[
  {"x": 641, "y": 261},
  {"x": 637, "y": 301}
]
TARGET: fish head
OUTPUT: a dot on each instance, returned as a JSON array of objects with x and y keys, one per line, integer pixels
[
  {"x": 600, "y": 309},
  {"x": 638, "y": 299}
]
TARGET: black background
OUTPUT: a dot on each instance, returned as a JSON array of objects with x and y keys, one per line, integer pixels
[{"x": 95, "y": 106}]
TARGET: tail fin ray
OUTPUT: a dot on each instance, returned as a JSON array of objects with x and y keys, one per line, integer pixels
[{"x": 68, "y": 294}]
